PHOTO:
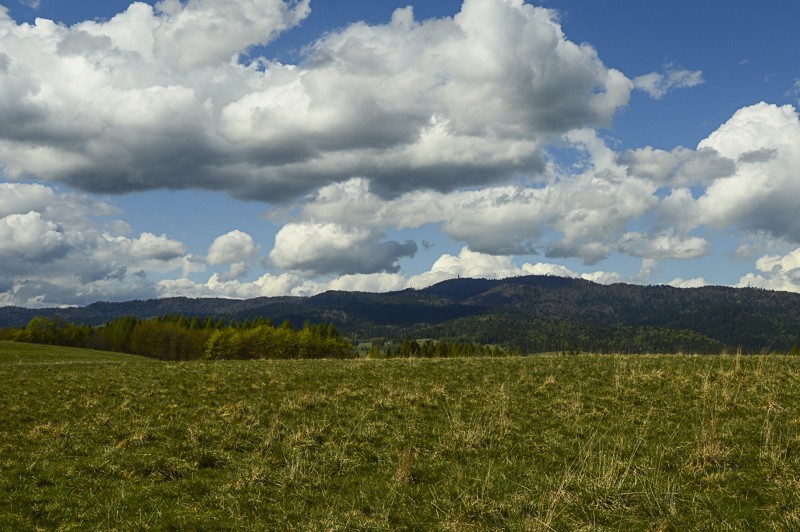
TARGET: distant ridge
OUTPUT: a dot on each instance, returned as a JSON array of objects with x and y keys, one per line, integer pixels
[{"x": 535, "y": 313}]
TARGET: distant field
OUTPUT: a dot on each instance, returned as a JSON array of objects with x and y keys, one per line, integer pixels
[
  {"x": 105, "y": 441},
  {"x": 27, "y": 354}
]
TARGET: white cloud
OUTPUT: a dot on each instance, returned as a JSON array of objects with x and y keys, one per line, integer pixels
[
  {"x": 161, "y": 248},
  {"x": 655, "y": 164},
  {"x": 322, "y": 248},
  {"x": 763, "y": 194},
  {"x": 602, "y": 277},
  {"x": 780, "y": 264},
  {"x": 544, "y": 268},
  {"x": 155, "y": 98},
  {"x": 588, "y": 211},
  {"x": 375, "y": 282},
  {"x": 232, "y": 247},
  {"x": 23, "y": 198},
  {"x": 664, "y": 245},
  {"x": 657, "y": 85},
  {"x": 743, "y": 175},
  {"x": 466, "y": 264},
  {"x": 68, "y": 252},
  {"x": 696, "y": 282},
  {"x": 438, "y": 124},
  {"x": 235, "y": 248},
  {"x": 118, "y": 255},
  {"x": 28, "y": 237},
  {"x": 201, "y": 33},
  {"x": 479, "y": 265},
  {"x": 272, "y": 285},
  {"x": 679, "y": 167},
  {"x": 777, "y": 272},
  {"x": 741, "y": 178}
]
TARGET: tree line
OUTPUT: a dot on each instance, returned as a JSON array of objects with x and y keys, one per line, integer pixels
[
  {"x": 178, "y": 337},
  {"x": 182, "y": 338},
  {"x": 439, "y": 349}
]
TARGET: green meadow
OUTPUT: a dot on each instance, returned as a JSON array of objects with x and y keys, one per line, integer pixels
[{"x": 103, "y": 441}]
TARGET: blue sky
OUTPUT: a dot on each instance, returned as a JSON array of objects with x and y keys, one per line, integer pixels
[{"x": 261, "y": 147}]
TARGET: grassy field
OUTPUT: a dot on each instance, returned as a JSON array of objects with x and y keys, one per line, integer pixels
[{"x": 105, "y": 441}]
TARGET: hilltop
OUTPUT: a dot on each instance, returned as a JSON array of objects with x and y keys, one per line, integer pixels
[{"x": 533, "y": 313}]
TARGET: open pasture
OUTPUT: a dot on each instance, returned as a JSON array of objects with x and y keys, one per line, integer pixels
[{"x": 106, "y": 441}]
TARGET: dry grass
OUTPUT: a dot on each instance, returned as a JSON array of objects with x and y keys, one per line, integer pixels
[{"x": 101, "y": 441}]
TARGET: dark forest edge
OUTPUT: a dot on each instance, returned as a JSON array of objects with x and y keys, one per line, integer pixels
[{"x": 178, "y": 337}]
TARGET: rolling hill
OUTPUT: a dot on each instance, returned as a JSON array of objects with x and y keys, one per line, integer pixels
[{"x": 533, "y": 313}]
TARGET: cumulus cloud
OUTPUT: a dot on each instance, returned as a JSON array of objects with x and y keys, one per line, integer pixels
[
  {"x": 166, "y": 97},
  {"x": 677, "y": 168},
  {"x": 472, "y": 264},
  {"x": 323, "y": 248},
  {"x": 64, "y": 249},
  {"x": 235, "y": 248},
  {"x": 161, "y": 248},
  {"x": 574, "y": 215},
  {"x": 375, "y": 282},
  {"x": 435, "y": 125},
  {"x": 696, "y": 282},
  {"x": 268, "y": 285},
  {"x": 27, "y": 237},
  {"x": 23, "y": 198},
  {"x": 763, "y": 193},
  {"x": 664, "y": 245},
  {"x": 777, "y": 272},
  {"x": 499, "y": 220},
  {"x": 202, "y": 33},
  {"x": 741, "y": 176},
  {"x": 657, "y": 85},
  {"x": 466, "y": 264},
  {"x": 787, "y": 264}
]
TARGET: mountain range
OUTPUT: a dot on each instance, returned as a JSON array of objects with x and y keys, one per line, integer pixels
[{"x": 530, "y": 313}]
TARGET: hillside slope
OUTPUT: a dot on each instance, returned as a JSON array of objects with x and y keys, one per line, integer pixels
[{"x": 534, "y": 313}]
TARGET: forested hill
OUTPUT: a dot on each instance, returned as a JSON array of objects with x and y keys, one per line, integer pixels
[{"x": 533, "y": 313}]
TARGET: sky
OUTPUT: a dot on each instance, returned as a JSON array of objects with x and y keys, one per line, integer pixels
[{"x": 246, "y": 148}]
